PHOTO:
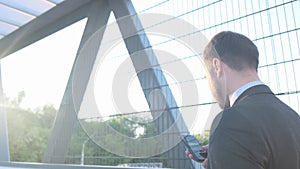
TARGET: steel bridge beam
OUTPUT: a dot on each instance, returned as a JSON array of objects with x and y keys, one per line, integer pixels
[{"x": 60, "y": 138}]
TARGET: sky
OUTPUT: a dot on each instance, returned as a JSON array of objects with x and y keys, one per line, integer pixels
[{"x": 42, "y": 69}]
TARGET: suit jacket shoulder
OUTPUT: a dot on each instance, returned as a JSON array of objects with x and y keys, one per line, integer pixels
[{"x": 252, "y": 132}]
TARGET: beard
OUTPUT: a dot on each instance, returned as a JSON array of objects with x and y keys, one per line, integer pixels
[{"x": 220, "y": 94}]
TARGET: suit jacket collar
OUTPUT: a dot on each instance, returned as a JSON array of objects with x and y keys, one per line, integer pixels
[{"x": 259, "y": 89}]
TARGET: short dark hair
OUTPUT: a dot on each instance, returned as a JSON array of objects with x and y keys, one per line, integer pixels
[{"x": 234, "y": 49}]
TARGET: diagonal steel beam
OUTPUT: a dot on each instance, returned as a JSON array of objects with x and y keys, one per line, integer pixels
[
  {"x": 98, "y": 13},
  {"x": 144, "y": 59}
]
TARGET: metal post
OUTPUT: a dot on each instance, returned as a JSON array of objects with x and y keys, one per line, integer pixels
[
  {"x": 82, "y": 154},
  {"x": 82, "y": 151},
  {"x": 4, "y": 145}
]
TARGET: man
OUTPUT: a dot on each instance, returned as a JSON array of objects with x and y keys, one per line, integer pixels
[{"x": 255, "y": 130}]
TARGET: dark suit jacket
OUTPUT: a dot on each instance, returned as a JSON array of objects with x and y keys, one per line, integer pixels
[{"x": 258, "y": 132}]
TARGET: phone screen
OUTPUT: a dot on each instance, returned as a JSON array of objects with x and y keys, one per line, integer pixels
[{"x": 194, "y": 147}]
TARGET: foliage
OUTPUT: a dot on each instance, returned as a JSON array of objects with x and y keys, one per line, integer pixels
[
  {"x": 203, "y": 138},
  {"x": 94, "y": 154},
  {"x": 29, "y": 131}
]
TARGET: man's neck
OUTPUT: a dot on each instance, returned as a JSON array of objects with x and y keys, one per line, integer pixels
[
  {"x": 241, "y": 90},
  {"x": 238, "y": 80}
]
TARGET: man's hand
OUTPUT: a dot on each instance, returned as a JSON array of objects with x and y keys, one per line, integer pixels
[{"x": 187, "y": 152}]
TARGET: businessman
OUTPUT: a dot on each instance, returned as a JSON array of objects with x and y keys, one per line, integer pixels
[{"x": 255, "y": 130}]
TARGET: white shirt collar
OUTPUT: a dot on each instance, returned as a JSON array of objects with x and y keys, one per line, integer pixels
[{"x": 241, "y": 90}]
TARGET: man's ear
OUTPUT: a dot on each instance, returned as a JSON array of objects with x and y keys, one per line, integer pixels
[{"x": 218, "y": 67}]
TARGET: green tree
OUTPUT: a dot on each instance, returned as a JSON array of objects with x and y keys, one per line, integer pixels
[
  {"x": 94, "y": 154},
  {"x": 203, "y": 138},
  {"x": 28, "y": 130}
]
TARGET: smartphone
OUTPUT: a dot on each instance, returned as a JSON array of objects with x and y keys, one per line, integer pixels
[{"x": 194, "y": 147}]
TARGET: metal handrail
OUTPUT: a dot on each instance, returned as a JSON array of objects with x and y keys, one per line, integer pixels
[{"x": 19, "y": 165}]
